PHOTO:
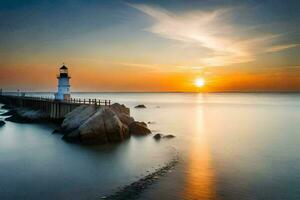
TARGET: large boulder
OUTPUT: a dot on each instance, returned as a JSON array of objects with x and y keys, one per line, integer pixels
[
  {"x": 138, "y": 128},
  {"x": 72, "y": 136},
  {"x": 122, "y": 112},
  {"x": 77, "y": 117},
  {"x": 120, "y": 109},
  {"x": 126, "y": 119},
  {"x": 102, "y": 127},
  {"x": 97, "y": 125}
]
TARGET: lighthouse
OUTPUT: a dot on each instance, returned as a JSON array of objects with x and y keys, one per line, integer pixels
[{"x": 63, "y": 88}]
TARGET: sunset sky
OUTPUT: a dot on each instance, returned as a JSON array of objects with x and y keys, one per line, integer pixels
[{"x": 150, "y": 45}]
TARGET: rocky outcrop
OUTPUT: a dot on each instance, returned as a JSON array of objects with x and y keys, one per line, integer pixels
[
  {"x": 77, "y": 117},
  {"x": 57, "y": 131},
  {"x": 8, "y": 107},
  {"x": 120, "y": 109},
  {"x": 9, "y": 113},
  {"x": 168, "y": 136},
  {"x": 72, "y": 136},
  {"x": 125, "y": 119},
  {"x": 134, "y": 190},
  {"x": 159, "y": 136},
  {"x": 123, "y": 113},
  {"x": 140, "y": 106},
  {"x": 90, "y": 125},
  {"x": 2, "y": 123},
  {"x": 27, "y": 116},
  {"x": 103, "y": 127},
  {"x": 138, "y": 128}
]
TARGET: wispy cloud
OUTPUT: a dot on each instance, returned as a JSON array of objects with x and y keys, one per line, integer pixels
[
  {"x": 215, "y": 31},
  {"x": 281, "y": 47}
]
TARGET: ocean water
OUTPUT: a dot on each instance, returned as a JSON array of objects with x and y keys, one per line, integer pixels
[{"x": 230, "y": 146}]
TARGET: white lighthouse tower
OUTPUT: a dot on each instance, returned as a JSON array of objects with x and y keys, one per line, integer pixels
[{"x": 63, "y": 89}]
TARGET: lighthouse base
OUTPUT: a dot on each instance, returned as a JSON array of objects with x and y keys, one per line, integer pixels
[{"x": 62, "y": 97}]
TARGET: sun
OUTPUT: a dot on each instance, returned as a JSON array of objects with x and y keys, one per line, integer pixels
[{"x": 199, "y": 82}]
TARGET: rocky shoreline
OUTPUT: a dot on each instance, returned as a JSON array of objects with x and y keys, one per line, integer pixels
[
  {"x": 133, "y": 190},
  {"x": 87, "y": 124},
  {"x": 90, "y": 125}
]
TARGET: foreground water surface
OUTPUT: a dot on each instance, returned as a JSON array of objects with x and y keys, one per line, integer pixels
[{"x": 230, "y": 146}]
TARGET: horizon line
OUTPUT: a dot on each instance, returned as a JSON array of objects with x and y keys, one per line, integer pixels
[{"x": 229, "y": 91}]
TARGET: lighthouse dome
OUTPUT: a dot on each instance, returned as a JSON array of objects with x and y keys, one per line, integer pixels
[
  {"x": 63, "y": 67},
  {"x": 63, "y": 71}
]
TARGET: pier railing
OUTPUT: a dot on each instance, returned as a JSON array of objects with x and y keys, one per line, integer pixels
[
  {"x": 57, "y": 109},
  {"x": 97, "y": 102}
]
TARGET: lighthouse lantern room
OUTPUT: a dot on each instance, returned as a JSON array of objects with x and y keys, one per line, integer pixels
[{"x": 63, "y": 88}]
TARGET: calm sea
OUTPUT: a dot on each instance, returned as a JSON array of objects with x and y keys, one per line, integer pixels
[{"x": 230, "y": 146}]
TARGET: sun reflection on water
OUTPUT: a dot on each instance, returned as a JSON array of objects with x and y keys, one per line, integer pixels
[{"x": 199, "y": 178}]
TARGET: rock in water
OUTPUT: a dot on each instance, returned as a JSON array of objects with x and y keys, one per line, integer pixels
[
  {"x": 122, "y": 112},
  {"x": 120, "y": 109},
  {"x": 157, "y": 136},
  {"x": 73, "y": 136},
  {"x": 140, "y": 106},
  {"x": 103, "y": 127},
  {"x": 2, "y": 123},
  {"x": 9, "y": 113},
  {"x": 77, "y": 117},
  {"x": 125, "y": 119},
  {"x": 57, "y": 130},
  {"x": 6, "y": 106},
  {"x": 27, "y": 116},
  {"x": 138, "y": 128},
  {"x": 97, "y": 125},
  {"x": 168, "y": 136}
]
